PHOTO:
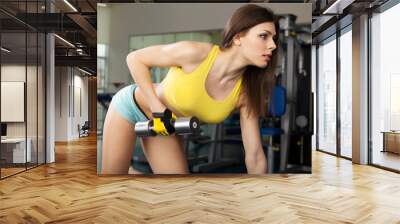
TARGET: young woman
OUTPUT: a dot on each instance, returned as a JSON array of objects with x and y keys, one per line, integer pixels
[{"x": 204, "y": 80}]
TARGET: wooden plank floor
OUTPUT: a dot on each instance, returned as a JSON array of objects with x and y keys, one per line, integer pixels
[
  {"x": 69, "y": 191},
  {"x": 10, "y": 171}
]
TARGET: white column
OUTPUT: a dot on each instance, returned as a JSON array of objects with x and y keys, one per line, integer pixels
[
  {"x": 360, "y": 90},
  {"x": 50, "y": 99},
  {"x": 50, "y": 92}
]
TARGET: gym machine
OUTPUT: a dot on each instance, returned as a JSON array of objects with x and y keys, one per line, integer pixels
[{"x": 296, "y": 123}]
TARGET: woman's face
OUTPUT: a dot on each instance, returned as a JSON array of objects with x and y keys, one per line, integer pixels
[{"x": 258, "y": 43}]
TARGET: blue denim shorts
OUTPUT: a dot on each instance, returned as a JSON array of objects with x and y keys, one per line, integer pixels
[{"x": 125, "y": 104}]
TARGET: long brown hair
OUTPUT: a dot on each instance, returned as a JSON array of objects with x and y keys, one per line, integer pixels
[{"x": 257, "y": 82}]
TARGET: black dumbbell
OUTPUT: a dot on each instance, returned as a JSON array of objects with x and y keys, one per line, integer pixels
[{"x": 182, "y": 126}]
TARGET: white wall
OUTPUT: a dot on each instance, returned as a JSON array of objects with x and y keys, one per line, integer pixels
[
  {"x": 61, "y": 103},
  {"x": 16, "y": 73},
  {"x": 126, "y": 20},
  {"x": 80, "y": 118},
  {"x": 33, "y": 126},
  {"x": 67, "y": 115}
]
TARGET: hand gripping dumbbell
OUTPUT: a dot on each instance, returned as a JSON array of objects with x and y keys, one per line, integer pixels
[{"x": 179, "y": 126}]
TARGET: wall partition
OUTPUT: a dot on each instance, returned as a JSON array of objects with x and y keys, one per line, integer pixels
[{"x": 22, "y": 87}]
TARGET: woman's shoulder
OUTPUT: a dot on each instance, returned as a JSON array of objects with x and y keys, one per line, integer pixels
[{"x": 197, "y": 51}]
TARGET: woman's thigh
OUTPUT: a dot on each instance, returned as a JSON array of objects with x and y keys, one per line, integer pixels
[
  {"x": 165, "y": 154},
  {"x": 118, "y": 143}
]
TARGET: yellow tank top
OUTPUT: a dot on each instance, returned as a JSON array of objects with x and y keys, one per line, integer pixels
[{"x": 187, "y": 94}]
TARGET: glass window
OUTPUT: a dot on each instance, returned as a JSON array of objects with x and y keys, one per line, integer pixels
[
  {"x": 385, "y": 88},
  {"x": 102, "y": 54},
  {"x": 346, "y": 93},
  {"x": 102, "y": 71},
  {"x": 327, "y": 95},
  {"x": 313, "y": 89}
]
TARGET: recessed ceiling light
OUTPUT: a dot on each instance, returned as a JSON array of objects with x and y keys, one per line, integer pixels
[
  {"x": 84, "y": 71},
  {"x": 337, "y": 7},
  {"x": 5, "y": 49},
  {"x": 64, "y": 40},
  {"x": 70, "y": 5}
]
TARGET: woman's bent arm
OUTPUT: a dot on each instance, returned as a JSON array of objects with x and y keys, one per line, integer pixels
[
  {"x": 256, "y": 162},
  {"x": 139, "y": 63}
]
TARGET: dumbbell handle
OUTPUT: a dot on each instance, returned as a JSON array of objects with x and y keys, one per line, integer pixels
[{"x": 182, "y": 126}]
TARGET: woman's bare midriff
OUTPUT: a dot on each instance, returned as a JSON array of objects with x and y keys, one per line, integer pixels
[{"x": 143, "y": 103}]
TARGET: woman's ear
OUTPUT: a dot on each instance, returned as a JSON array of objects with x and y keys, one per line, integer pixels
[{"x": 236, "y": 39}]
